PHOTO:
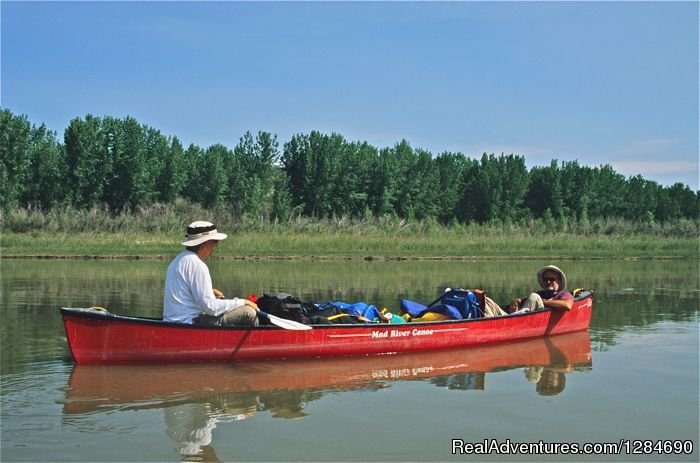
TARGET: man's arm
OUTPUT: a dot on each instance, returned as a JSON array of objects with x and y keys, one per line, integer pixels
[{"x": 563, "y": 304}]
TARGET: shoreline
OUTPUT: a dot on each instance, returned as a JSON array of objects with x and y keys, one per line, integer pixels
[
  {"x": 344, "y": 258},
  {"x": 275, "y": 246}
]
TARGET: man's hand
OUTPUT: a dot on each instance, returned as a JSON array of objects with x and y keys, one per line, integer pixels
[{"x": 218, "y": 294}]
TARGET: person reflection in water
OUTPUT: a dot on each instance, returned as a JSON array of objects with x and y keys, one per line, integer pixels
[
  {"x": 550, "y": 380},
  {"x": 191, "y": 425}
]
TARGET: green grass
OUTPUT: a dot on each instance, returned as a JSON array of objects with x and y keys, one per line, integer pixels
[
  {"x": 348, "y": 245},
  {"x": 156, "y": 231}
]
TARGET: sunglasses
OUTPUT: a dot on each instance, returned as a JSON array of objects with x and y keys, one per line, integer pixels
[{"x": 550, "y": 279}]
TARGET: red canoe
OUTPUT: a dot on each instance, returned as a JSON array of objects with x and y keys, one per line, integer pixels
[{"x": 103, "y": 338}]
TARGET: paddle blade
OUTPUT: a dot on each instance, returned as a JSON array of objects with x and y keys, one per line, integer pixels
[{"x": 284, "y": 323}]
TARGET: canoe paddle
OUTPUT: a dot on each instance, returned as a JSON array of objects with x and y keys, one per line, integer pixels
[{"x": 284, "y": 323}]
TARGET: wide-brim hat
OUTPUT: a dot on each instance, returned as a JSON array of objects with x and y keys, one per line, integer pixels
[
  {"x": 201, "y": 231},
  {"x": 541, "y": 271}
]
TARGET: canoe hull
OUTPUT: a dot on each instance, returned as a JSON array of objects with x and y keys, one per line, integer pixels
[{"x": 95, "y": 338}]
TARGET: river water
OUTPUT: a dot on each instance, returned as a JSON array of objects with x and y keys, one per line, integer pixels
[{"x": 632, "y": 379}]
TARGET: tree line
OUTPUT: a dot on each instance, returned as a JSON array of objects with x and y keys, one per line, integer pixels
[{"x": 122, "y": 164}]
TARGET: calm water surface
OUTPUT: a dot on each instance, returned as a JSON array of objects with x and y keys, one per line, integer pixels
[{"x": 633, "y": 375}]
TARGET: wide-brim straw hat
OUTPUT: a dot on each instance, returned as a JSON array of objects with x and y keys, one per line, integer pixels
[
  {"x": 201, "y": 231},
  {"x": 541, "y": 271}
]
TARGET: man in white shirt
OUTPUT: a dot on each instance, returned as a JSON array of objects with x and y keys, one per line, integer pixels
[{"x": 189, "y": 296}]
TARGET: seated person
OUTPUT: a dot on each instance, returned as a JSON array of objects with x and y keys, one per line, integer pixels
[
  {"x": 553, "y": 294},
  {"x": 189, "y": 296}
]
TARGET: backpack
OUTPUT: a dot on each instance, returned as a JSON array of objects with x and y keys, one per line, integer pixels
[
  {"x": 284, "y": 306},
  {"x": 458, "y": 304},
  {"x": 465, "y": 301}
]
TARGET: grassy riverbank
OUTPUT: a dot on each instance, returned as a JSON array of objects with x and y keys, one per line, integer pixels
[
  {"x": 157, "y": 231},
  {"x": 348, "y": 245}
]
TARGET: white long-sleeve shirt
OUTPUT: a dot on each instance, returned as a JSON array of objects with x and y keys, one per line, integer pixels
[{"x": 189, "y": 292}]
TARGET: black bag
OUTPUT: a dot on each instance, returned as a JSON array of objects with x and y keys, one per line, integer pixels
[
  {"x": 329, "y": 314},
  {"x": 284, "y": 306}
]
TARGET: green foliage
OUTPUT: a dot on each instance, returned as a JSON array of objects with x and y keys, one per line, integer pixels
[
  {"x": 252, "y": 174},
  {"x": 212, "y": 178},
  {"x": 126, "y": 185},
  {"x": 171, "y": 180},
  {"x": 449, "y": 187},
  {"x": 545, "y": 191},
  {"x": 87, "y": 160},
  {"x": 121, "y": 166},
  {"x": 281, "y": 199},
  {"x": 297, "y": 165},
  {"x": 193, "y": 173},
  {"x": 45, "y": 187},
  {"x": 156, "y": 230},
  {"x": 15, "y": 140}
]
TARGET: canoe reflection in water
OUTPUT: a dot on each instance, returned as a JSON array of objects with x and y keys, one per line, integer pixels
[{"x": 196, "y": 397}]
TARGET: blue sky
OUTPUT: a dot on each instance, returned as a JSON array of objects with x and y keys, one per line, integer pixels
[{"x": 598, "y": 82}]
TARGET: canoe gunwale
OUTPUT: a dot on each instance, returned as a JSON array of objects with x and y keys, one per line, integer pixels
[
  {"x": 98, "y": 315},
  {"x": 79, "y": 312}
]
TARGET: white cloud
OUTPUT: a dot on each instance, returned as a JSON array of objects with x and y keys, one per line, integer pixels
[
  {"x": 662, "y": 159},
  {"x": 652, "y": 146},
  {"x": 645, "y": 168}
]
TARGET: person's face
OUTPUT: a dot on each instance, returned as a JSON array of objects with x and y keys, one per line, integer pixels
[
  {"x": 551, "y": 280},
  {"x": 208, "y": 248}
]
